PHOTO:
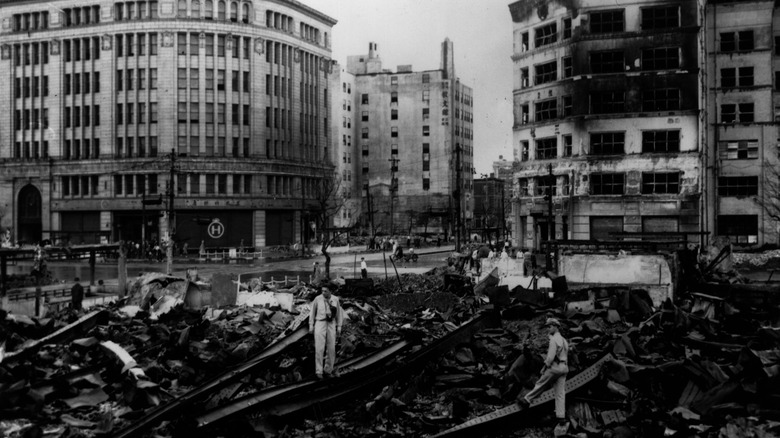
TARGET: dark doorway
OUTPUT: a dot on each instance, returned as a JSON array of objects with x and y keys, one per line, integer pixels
[
  {"x": 279, "y": 227},
  {"x": 29, "y": 216}
]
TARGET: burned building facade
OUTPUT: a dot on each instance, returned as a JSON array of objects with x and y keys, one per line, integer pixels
[
  {"x": 220, "y": 107},
  {"x": 606, "y": 120}
]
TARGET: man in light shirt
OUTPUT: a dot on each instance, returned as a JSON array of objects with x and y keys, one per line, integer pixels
[
  {"x": 363, "y": 268},
  {"x": 325, "y": 321},
  {"x": 554, "y": 371}
]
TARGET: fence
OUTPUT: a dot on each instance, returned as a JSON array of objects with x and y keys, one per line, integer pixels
[{"x": 272, "y": 281}]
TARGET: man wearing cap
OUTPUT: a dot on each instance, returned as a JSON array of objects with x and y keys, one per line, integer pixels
[
  {"x": 363, "y": 268},
  {"x": 554, "y": 371},
  {"x": 325, "y": 322}
]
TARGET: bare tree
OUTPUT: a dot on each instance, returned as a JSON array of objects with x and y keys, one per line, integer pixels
[{"x": 330, "y": 203}]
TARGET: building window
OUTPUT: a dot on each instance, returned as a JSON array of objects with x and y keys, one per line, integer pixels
[
  {"x": 661, "y": 58},
  {"x": 660, "y": 141},
  {"x": 426, "y": 184},
  {"x": 607, "y": 143},
  {"x": 567, "y": 145},
  {"x": 545, "y": 35},
  {"x": 738, "y": 150},
  {"x": 606, "y": 102},
  {"x": 365, "y": 133},
  {"x": 567, "y": 67},
  {"x": 567, "y": 28},
  {"x": 736, "y": 113},
  {"x": 545, "y": 185},
  {"x": 394, "y": 114},
  {"x": 736, "y": 41},
  {"x": 546, "y": 148},
  {"x": 394, "y": 132},
  {"x": 426, "y": 113},
  {"x": 661, "y": 99},
  {"x": 612, "y": 61},
  {"x": 606, "y": 21},
  {"x": 661, "y": 17},
  {"x": 394, "y": 97},
  {"x": 364, "y": 99},
  {"x": 426, "y": 95},
  {"x": 394, "y": 80},
  {"x": 426, "y": 78},
  {"x": 739, "y": 228},
  {"x": 546, "y": 110},
  {"x": 426, "y": 131},
  {"x": 732, "y": 77},
  {"x": 738, "y": 186},
  {"x": 607, "y": 183},
  {"x": 660, "y": 183},
  {"x": 524, "y": 150},
  {"x": 546, "y": 72},
  {"x": 567, "y": 106}
]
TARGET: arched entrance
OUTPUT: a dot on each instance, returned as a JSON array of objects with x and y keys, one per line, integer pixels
[{"x": 29, "y": 215}]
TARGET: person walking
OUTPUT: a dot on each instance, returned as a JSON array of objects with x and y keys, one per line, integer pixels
[
  {"x": 325, "y": 321},
  {"x": 363, "y": 268},
  {"x": 554, "y": 371},
  {"x": 76, "y": 295}
]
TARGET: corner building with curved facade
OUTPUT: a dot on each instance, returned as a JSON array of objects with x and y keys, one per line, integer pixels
[
  {"x": 606, "y": 118},
  {"x": 108, "y": 103}
]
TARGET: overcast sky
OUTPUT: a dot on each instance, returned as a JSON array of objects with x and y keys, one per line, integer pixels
[{"x": 411, "y": 32}]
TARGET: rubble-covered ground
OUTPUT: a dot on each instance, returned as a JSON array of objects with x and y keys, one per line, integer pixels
[{"x": 697, "y": 368}]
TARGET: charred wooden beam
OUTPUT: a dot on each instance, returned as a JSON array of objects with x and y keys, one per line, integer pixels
[{"x": 71, "y": 331}]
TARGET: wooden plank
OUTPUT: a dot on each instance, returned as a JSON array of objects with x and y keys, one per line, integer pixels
[{"x": 78, "y": 328}]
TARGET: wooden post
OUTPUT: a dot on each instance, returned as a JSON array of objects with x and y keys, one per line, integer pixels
[
  {"x": 122, "y": 270},
  {"x": 38, "y": 303},
  {"x": 92, "y": 267}
]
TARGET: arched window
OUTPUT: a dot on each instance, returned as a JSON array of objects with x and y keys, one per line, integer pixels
[
  {"x": 182, "y": 9},
  {"x": 195, "y": 9},
  {"x": 245, "y": 13},
  {"x": 234, "y": 12},
  {"x": 221, "y": 15},
  {"x": 208, "y": 10}
]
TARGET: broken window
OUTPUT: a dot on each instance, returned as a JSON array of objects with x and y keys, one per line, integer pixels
[
  {"x": 738, "y": 186},
  {"x": 612, "y": 61},
  {"x": 661, "y": 17},
  {"x": 607, "y": 143},
  {"x": 736, "y": 41},
  {"x": 567, "y": 67},
  {"x": 567, "y": 145},
  {"x": 522, "y": 186},
  {"x": 661, "y": 58},
  {"x": 736, "y": 113},
  {"x": 606, "y": 21},
  {"x": 546, "y": 148},
  {"x": 524, "y": 148},
  {"x": 606, "y": 102},
  {"x": 660, "y": 141},
  {"x": 546, "y": 72},
  {"x": 739, "y": 228},
  {"x": 545, "y": 35},
  {"x": 567, "y": 28},
  {"x": 738, "y": 150},
  {"x": 746, "y": 77},
  {"x": 660, "y": 183},
  {"x": 661, "y": 99},
  {"x": 607, "y": 183},
  {"x": 732, "y": 77},
  {"x": 602, "y": 227},
  {"x": 524, "y": 77},
  {"x": 546, "y": 110},
  {"x": 545, "y": 185},
  {"x": 567, "y": 106}
]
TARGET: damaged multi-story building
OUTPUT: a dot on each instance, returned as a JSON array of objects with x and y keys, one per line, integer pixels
[
  {"x": 607, "y": 126},
  {"x": 415, "y": 137}
]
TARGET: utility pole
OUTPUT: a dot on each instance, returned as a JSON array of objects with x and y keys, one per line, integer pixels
[
  {"x": 550, "y": 218},
  {"x": 393, "y": 167},
  {"x": 457, "y": 194},
  {"x": 171, "y": 221}
]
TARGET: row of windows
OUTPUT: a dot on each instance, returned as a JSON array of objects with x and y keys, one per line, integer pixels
[
  {"x": 32, "y": 53},
  {"x": 610, "y": 21},
  {"x": 135, "y": 44},
  {"x": 193, "y": 82},
  {"x": 239, "y": 146},
  {"x": 193, "y": 115},
  {"x": 605, "y": 143},
  {"x": 31, "y": 150},
  {"x": 78, "y": 83},
  {"x": 30, "y": 21},
  {"x": 193, "y": 10},
  {"x": 653, "y": 183},
  {"x": 81, "y": 16},
  {"x": 34, "y": 86},
  {"x": 128, "y": 147},
  {"x": 79, "y": 149},
  {"x": 426, "y": 131},
  {"x": 240, "y": 46},
  {"x": 81, "y": 49},
  {"x": 126, "y": 113},
  {"x": 31, "y": 119},
  {"x": 87, "y": 115},
  {"x": 131, "y": 79},
  {"x": 86, "y": 185},
  {"x": 136, "y": 10},
  {"x": 610, "y": 102}
]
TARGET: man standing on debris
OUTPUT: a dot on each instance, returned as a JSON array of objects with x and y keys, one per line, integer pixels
[
  {"x": 554, "y": 371},
  {"x": 76, "y": 295},
  {"x": 363, "y": 268},
  {"x": 325, "y": 321}
]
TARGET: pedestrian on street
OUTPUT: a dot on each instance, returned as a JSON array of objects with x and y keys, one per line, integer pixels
[
  {"x": 554, "y": 371},
  {"x": 325, "y": 321},
  {"x": 76, "y": 295},
  {"x": 363, "y": 268}
]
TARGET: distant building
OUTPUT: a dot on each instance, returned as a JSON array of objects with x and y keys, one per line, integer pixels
[
  {"x": 606, "y": 119},
  {"x": 490, "y": 209},
  {"x": 415, "y": 140},
  {"x": 345, "y": 152},
  {"x": 102, "y": 95}
]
